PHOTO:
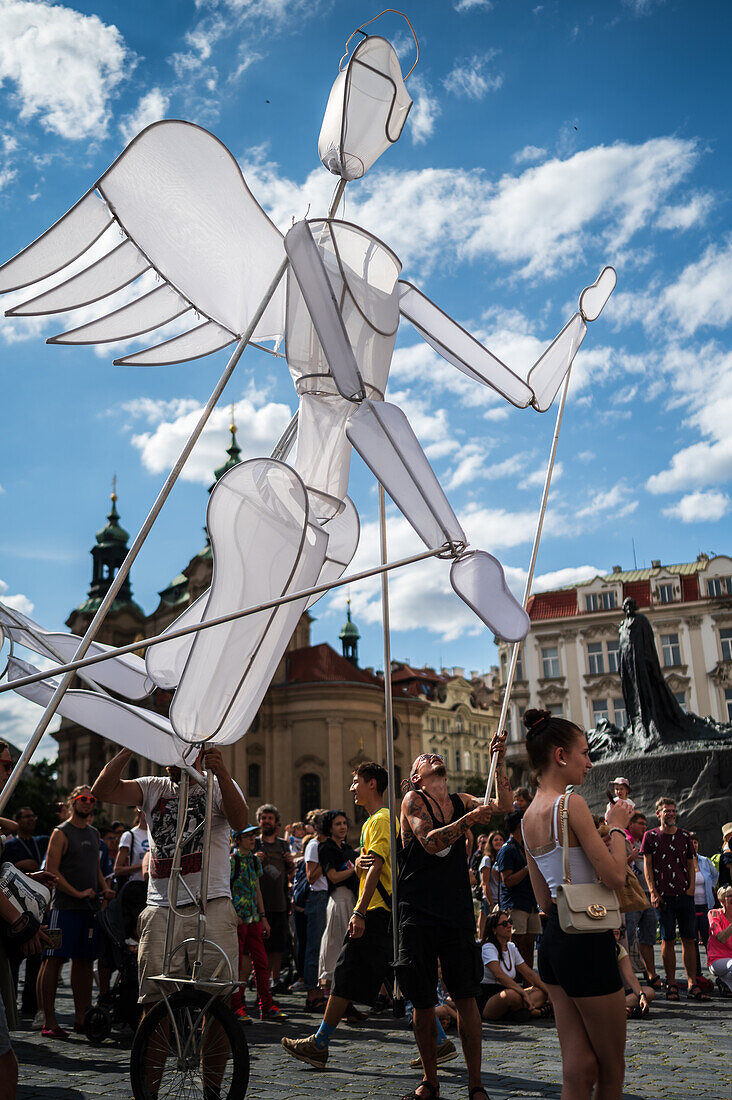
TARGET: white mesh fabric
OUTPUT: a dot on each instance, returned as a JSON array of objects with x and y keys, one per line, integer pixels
[
  {"x": 323, "y": 456},
  {"x": 545, "y": 377},
  {"x": 366, "y": 111},
  {"x": 143, "y": 314},
  {"x": 479, "y": 581},
  {"x": 165, "y": 661},
  {"x": 383, "y": 437},
  {"x": 118, "y": 268},
  {"x": 343, "y": 533},
  {"x": 179, "y": 194},
  {"x": 71, "y": 235},
  {"x": 360, "y": 282},
  {"x": 143, "y": 731},
  {"x": 257, "y": 520},
  {"x": 199, "y": 341},
  {"x": 459, "y": 348},
  {"x": 124, "y": 674}
]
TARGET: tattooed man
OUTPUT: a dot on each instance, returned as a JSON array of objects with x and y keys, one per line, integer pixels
[{"x": 436, "y": 919}]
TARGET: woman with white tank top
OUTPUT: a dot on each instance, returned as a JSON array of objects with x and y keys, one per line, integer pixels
[{"x": 580, "y": 971}]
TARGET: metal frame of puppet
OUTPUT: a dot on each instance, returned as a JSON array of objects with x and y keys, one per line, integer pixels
[{"x": 174, "y": 213}]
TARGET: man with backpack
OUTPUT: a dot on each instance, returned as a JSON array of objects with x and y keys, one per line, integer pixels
[
  {"x": 131, "y": 851},
  {"x": 253, "y": 927},
  {"x": 279, "y": 869}
]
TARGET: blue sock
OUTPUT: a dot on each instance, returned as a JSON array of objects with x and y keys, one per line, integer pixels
[
  {"x": 323, "y": 1034},
  {"x": 441, "y": 1037}
]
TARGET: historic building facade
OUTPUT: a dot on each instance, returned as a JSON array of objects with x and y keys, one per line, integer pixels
[
  {"x": 569, "y": 662},
  {"x": 322, "y": 714}
]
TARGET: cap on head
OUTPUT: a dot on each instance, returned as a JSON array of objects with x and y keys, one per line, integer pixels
[
  {"x": 727, "y": 830},
  {"x": 621, "y": 780},
  {"x": 366, "y": 111},
  {"x": 245, "y": 832}
]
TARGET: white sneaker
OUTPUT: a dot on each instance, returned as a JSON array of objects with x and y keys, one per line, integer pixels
[{"x": 37, "y": 1024}]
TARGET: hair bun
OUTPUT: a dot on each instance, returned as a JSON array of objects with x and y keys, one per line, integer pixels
[{"x": 533, "y": 718}]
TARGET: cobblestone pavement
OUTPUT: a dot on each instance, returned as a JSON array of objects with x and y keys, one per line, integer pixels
[{"x": 682, "y": 1051}]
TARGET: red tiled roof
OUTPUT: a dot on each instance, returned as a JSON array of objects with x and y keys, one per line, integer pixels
[
  {"x": 321, "y": 664},
  {"x": 640, "y": 591},
  {"x": 426, "y": 675},
  {"x": 560, "y": 604}
]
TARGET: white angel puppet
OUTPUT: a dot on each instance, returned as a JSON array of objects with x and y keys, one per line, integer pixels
[{"x": 181, "y": 202}]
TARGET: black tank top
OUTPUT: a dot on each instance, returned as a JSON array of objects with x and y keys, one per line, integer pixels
[{"x": 435, "y": 888}]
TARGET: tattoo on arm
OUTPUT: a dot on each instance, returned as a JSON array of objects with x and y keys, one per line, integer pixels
[{"x": 420, "y": 825}]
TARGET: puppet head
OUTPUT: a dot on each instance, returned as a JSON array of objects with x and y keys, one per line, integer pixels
[{"x": 367, "y": 108}]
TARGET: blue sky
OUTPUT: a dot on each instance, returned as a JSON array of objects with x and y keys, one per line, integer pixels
[{"x": 546, "y": 140}]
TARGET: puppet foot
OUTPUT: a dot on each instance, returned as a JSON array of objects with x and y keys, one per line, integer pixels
[{"x": 480, "y": 582}]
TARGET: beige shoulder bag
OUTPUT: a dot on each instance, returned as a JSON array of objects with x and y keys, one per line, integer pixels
[{"x": 588, "y": 906}]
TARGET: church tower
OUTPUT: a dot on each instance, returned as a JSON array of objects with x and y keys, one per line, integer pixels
[
  {"x": 349, "y": 637},
  {"x": 108, "y": 555}
]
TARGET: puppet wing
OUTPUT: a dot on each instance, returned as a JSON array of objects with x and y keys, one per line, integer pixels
[
  {"x": 143, "y": 731},
  {"x": 175, "y": 202},
  {"x": 124, "y": 674}
]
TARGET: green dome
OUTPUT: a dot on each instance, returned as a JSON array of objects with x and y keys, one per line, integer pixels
[
  {"x": 350, "y": 630},
  {"x": 112, "y": 532}
]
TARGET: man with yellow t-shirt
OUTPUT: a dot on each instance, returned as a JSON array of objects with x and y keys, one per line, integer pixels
[{"x": 364, "y": 962}]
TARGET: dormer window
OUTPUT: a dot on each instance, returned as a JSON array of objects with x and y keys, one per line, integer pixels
[
  {"x": 600, "y": 601},
  {"x": 665, "y": 593},
  {"x": 719, "y": 586}
]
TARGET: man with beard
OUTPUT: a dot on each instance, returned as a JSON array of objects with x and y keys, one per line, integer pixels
[
  {"x": 435, "y": 910},
  {"x": 278, "y": 867},
  {"x": 73, "y": 857},
  {"x": 158, "y": 797}
]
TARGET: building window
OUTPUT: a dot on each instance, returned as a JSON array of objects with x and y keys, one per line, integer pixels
[
  {"x": 550, "y": 662},
  {"x": 595, "y": 660},
  {"x": 458, "y": 724},
  {"x": 725, "y": 637},
  {"x": 254, "y": 784},
  {"x": 556, "y": 710},
  {"x": 432, "y": 725},
  {"x": 621, "y": 718},
  {"x": 666, "y": 593},
  {"x": 680, "y": 697},
  {"x": 467, "y": 761},
  {"x": 309, "y": 792},
  {"x": 504, "y": 668},
  {"x": 613, "y": 657},
  {"x": 457, "y": 760},
  {"x": 728, "y": 701},
  {"x": 599, "y": 710},
  {"x": 719, "y": 586},
  {"x": 671, "y": 650},
  {"x": 600, "y": 601},
  {"x": 519, "y": 674},
  {"x": 444, "y": 727}
]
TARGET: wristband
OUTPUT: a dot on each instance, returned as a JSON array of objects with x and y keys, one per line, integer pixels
[
  {"x": 617, "y": 829},
  {"x": 358, "y": 913}
]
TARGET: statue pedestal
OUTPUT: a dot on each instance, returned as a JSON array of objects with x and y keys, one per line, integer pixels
[{"x": 700, "y": 780}]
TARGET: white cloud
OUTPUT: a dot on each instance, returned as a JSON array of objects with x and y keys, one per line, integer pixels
[
  {"x": 700, "y": 507},
  {"x": 472, "y": 466},
  {"x": 425, "y": 111},
  {"x": 702, "y": 295},
  {"x": 260, "y": 423},
  {"x": 642, "y": 7},
  {"x": 564, "y": 578},
  {"x": 686, "y": 215},
  {"x": 612, "y": 503},
  {"x": 152, "y": 107},
  {"x": 529, "y": 154},
  {"x": 702, "y": 463},
  {"x": 17, "y": 600},
  {"x": 65, "y": 66},
  {"x": 469, "y": 77},
  {"x": 462, "y": 6},
  {"x": 535, "y": 222},
  {"x": 536, "y": 479}
]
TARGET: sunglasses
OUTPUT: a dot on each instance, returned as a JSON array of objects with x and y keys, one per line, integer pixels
[
  {"x": 85, "y": 798},
  {"x": 505, "y": 923}
]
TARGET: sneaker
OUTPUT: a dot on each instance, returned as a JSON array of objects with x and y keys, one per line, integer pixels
[
  {"x": 273, "y": 1013},
  {"x": 54, "y": 1033},
  {"x": 243, "y": 1016},
  {"x": 446, "y": 1051},
  {"x": 305, "y": 1050},
  {"x": 298, "y": 986},
  {"x": 38, "y": 1020}
]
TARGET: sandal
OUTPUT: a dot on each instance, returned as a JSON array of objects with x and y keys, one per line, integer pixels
[
  {"x": 655, "y": 983},
  {"x": 672, "y": 991},
  {"x": 433, "y": 1094},
  {"x": 546, "y": 1012},
  {"x": 634, "y": 1013},
  {"x": 696, "y": 993}
]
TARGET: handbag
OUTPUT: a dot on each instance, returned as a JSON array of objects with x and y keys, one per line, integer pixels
[
  {"x": 632, "y": 896},
  {"x": 587, "y": 906}
]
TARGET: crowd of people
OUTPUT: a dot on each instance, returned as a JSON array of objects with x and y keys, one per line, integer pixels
[{"x": 299, "y": 908}]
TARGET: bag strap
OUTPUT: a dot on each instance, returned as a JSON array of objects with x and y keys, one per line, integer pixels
[{"x": 566, "y": 876}]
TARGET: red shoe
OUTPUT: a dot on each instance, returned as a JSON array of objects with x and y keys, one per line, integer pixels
[
  {"x": 54, "y": 1033},
  {"x": 242, "y": 1015},
  {"x": 273, "y": 1013}
]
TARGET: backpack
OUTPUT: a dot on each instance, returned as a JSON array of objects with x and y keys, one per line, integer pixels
[{"x": 300, "y": 886}]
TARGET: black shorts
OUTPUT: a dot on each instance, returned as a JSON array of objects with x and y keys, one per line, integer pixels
[
  {"x": 677, "y": 909},
  {"x": 485, "y": 994},
  {"x": 584, "y": 964},
  {"x": 364, "y": 964},
  {"x": 277, "y": 938},
  {"x": 420, "y": 947}
]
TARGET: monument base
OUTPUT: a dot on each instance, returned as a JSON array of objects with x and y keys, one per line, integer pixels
[{"x": 699, "y": 779}]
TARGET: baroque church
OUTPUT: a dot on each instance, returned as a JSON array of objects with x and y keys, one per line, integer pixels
[{"x": 322, "y": 714}]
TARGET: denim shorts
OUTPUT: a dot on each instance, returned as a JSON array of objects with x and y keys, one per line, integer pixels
[
  {"x": 643, "y": 924},
  {"x": 679, "y": 909}
]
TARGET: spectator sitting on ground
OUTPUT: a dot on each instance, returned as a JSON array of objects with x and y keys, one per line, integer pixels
[
  {"x": 638, "y": 998},
  {"x": 719, "y": 947},
  {"x": 725, "y": 856},
  {"x": 502, "y": 961},
  {"x": 521, "y": 799}
]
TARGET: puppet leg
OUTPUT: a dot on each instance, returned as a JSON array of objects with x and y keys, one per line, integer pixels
[
  {"x": 383, "y": 437},
  {"x": 264, "y": 546}
]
